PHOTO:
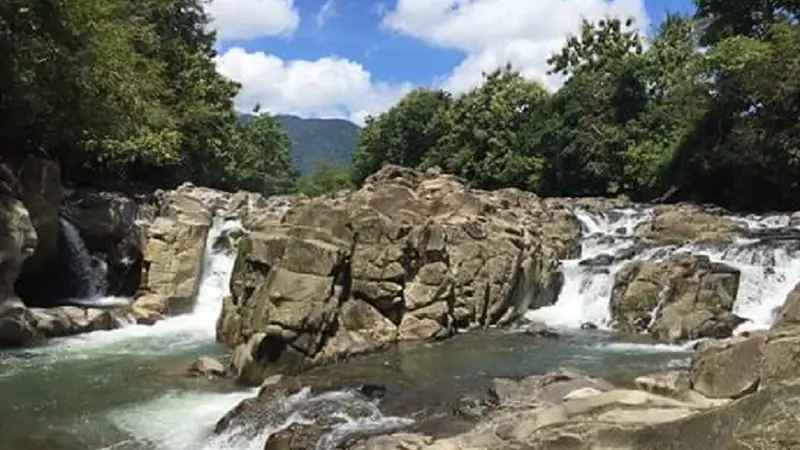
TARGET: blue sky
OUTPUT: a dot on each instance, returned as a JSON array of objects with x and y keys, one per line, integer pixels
[{"x": 351, "y": 58}]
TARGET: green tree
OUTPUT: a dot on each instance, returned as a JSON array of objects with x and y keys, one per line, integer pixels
[
  {"x": 745, "y": 151},
  {"x": 677, "y": 97},
  {"x": 489, "y": 132},
  {"x": 74, "y": 85},
  {"x": 259, "y": 158},
  {"x": 751, "y": 18},
  {"x": 200, "y": 99},
  {"x": 403, "y": 134},
  {"x": 326, "y": 178},
  {"x": 605, "y": 91}
]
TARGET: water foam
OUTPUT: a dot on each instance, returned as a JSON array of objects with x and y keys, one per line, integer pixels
[{"x": 768, "y": 261}]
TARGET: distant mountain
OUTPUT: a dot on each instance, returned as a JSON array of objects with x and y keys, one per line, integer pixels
[{"x": 312, "y": 139}]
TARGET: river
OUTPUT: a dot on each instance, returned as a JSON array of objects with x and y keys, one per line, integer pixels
[{"x": 127, "y": 389}]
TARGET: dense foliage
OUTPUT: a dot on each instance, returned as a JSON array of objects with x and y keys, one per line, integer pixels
[
  {"x": 707, "y": 108},
  {"x": 120, "y": 90}
]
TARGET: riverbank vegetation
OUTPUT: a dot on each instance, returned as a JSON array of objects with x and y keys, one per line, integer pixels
[{"x": 704, "y": 108}]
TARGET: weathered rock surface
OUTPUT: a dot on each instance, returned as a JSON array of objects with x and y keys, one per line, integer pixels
[
  {"x": 409, "y": 256},
  {"x": 563, "y": 409},
  {"x": 18, "y": 241},
  {"x": 173, "y": 251},
  {"x": 692, "y": 298},
  {"x": 679, "y": 224},
  {"x": 207, "y": 367},
  {"x": 741, "y": 365}
]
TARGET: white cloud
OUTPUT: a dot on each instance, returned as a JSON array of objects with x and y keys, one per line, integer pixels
[
  {"x": 327, "y": 11},
  {"x": 495, "y": 32},
  {"x": 250, "y": 19},
  {"x": 327, "y": 87}
]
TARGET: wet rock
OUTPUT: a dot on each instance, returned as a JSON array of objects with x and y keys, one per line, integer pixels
[
  {"x": 679, "y": 224},
  {"x": 70, "y": 320},
  {"x": 540, "y": 330},
  {"x": 207, "y": 367},
  {"x": 692, "y": 297},
  {"x": 588, "y": 326},
  {"x": 295, "y": 437},
  {"x": 472, "y": 408},
  {"x": 18, "y": 240},
  {"x": 250, "y": 412},
  {"x": 113, "y": 225},
  {"x": 372, "y": 391},
  {"x": 410, "y": 256},
  {"x": 603, "y": 260}
]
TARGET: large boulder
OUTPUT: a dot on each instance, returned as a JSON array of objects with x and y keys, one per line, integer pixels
[
  {"x": 736, "y": 367},
  {"x": 17, "y": 243},
  {"x": 681, "y": 298},
  {"x": 174, "y": 245},
  {"x": 679, "y": 224},
  {"x": 409, "y": 256}
]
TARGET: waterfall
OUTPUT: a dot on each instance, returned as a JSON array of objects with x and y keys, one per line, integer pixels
[
  {"x": 87, "y": 272},
  {"x": 769, "y": 265},
  {"x": 768, "y": 259},
  {"x": 606, "y": 245}
]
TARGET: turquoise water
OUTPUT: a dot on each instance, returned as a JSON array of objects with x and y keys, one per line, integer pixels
[{"x": 128, "y": 389}]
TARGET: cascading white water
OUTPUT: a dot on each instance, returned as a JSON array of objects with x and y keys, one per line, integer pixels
[
  {"x": 188, "y": 330},
  {"x": 88, "y": 271},
  {"x": 769, "y": 267},
  {"x": 588, "y": 281}
]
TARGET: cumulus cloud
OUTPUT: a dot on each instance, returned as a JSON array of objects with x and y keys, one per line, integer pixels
[
  {"x": 326, "y": 87},
  {"x": 494, "y": 32},
  {"x": 251, "y": 19}
]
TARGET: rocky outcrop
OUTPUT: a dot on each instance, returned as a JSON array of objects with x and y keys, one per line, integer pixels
[
  {"x": 173, "y": 249},
  {"x": 113, "y": 225},
  {"x": 409, "y": 256},
  {"x": 624, "y": 419},
  {"x": 150, "y": 246},
  {"x": 679, "y": 224},
  {"x": 681, "y": 298},
  {"x": 742, "y": 365},
  {"x": 17, "y": 243}
]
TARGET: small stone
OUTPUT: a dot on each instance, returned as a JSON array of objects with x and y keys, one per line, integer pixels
[
  {"x": 208, "y": 367},
  {"x": 582, "y": 393}
]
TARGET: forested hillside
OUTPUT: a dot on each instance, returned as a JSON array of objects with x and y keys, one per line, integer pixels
[
  {"x": 653, "y": 118},
  {"x": 315, "y": 140},
  {"x": 120, "y": 91}
]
